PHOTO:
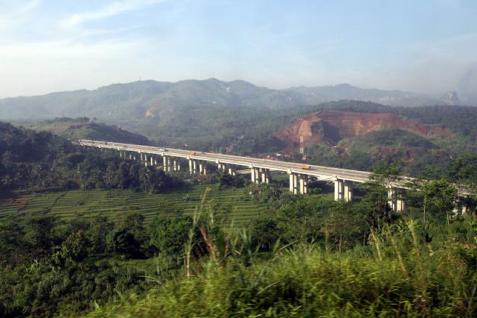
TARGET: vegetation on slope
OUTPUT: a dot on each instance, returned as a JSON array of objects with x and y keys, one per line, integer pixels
[
  {"x": 234, "y": 204},
  {"x": 40, "y": 160},
  {"x": 397, "y": 275},
  {"x": 84, "y": 128},
  {"x": 301, "y": 256}
]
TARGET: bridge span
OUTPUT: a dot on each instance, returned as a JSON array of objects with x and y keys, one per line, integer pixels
[{"x": 171, "y": 159}]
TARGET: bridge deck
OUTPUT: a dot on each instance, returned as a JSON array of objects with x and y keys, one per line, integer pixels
[{"x": 320, "y": 172}]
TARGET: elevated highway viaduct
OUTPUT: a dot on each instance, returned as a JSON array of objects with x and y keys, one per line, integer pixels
[{"x": 300, "y": 174}]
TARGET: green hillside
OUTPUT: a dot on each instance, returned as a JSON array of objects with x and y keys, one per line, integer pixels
[
  {"x": 84, "y": 128},
  {"x": 236, "y": 206}
]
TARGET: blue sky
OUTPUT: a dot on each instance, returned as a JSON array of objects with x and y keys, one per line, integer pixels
[{"x": 426, "y": 46}]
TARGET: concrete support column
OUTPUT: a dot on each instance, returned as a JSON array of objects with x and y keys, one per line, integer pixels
[
  {"x": 400, "y": 205},
  {"x": 152, "y": 161},
  {"x": 339, "y": 190},
  {"x": 265, "y": 176},
  {"x": 302, "y": 186},
  {"x": 146, "y": 162},
  {"x": 191, "y": 169},
  {"x": 194, "y": 166},
  {"x": 174, "y": 165},
  {"x": 348, "y": 192},
  {"x": 164, "y": 163},
  {"x": 395, "y": 200},
  {"x": 392, "y": 199},
  {"x": 169, "y": 164},
  {"x": 291, "y": 182},
  {"x": 460, "y": 206},
  {"x": 293, "y": 177},
  {"x": 202, "y": 168},
  {"x": 252, "y": 175}
]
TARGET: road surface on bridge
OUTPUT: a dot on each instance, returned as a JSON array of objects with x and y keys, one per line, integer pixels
[{"x": 320, "y": 172}]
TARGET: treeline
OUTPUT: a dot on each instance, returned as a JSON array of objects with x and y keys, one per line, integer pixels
[
  {"x": 47, "y": 266},
  {"x": 39, "y": 160}
]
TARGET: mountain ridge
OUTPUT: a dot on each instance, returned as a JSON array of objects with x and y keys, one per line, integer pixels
[{"x": 139, "y": 98}]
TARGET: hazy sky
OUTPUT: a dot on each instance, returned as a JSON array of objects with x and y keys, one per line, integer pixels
[{"x": 421, "y": 45}]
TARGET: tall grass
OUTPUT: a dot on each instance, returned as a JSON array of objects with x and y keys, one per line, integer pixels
[{"x": 400, "y": 273}]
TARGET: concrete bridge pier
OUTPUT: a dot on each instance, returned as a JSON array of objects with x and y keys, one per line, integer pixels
[
  {"x": 231, "y": 171},
  {"x": 396, "y": 200},
  {"x": 221, "y": 167},
  {"x": 254, "y": 175},
  {"x": 461, "y": 206},
  {"x": 169, "y": 164},
  {"x": 339, "y": 190},
  {"x": 348, "y": 192},
  {"x": 257, "y": 172},
  {"x": 293, "y": 182},
  {"x": 146, "y": 161},
  {"x": 303, "y": 184},
  {"x": 265, "y": 176},
  {"x": 202, "y": 168}
]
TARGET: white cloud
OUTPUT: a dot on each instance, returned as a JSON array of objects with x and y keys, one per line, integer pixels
[
  {"x": 12, "y": 16},
  {"x": 112, "y": 9}
]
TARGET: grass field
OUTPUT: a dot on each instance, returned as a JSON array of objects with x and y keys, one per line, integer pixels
[{"x": 113, "y": 203}]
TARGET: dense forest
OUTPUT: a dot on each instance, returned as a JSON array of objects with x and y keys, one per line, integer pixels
[{"x": 42, "y": 161}]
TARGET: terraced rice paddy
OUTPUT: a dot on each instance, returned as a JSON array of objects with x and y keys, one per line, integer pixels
[{"x": 233, "y": 203}]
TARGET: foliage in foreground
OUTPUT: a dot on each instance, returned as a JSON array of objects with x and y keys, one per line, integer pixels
[{"x": 398, "y": 274}]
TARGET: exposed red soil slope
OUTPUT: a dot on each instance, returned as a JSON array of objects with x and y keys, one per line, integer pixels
[{"x": 331, "y": 126}]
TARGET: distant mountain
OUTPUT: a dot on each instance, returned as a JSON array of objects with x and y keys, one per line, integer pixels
[
  {"x": 134, "y": 101},
  {"x": 319, "y": 94},
  {"x": 205, "y": 114},
  {"x": 144, "y": 99},
  {"x": 451, "y": 98}
]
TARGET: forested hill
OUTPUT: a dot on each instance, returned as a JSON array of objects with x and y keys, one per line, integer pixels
[
  {"x": 205, "y": 114},
  {"x": 85, "y": 128},
  {"x": 35, "y": 161},
  {"x": 152, "y": 99}
]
